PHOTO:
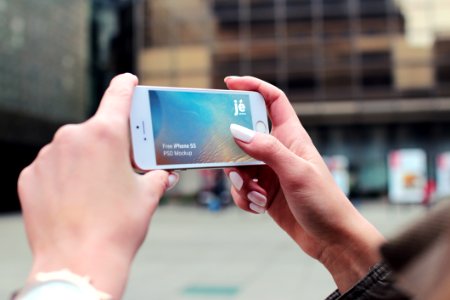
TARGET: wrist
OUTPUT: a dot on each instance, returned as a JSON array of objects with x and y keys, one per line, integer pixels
[
  {"x": 351, "y": 259},
  {"x": 62, "y": 284},
  {"x": 108, "y": 272}
]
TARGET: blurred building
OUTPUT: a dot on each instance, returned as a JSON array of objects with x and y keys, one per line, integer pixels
[
  {"x": 176, "y": 46},
  {"x": 365, "y": 76},
  {"x": 44, "y": 63},
  {"x": 56, "y": 58},
  {"x": 44, "y": 57}
]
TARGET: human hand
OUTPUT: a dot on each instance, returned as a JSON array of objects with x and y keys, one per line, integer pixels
[
  {"x": 83, "y": 205},
  {"x": 299, "y": 192}
]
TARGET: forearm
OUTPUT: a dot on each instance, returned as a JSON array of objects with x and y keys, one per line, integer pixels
[{"x": 351, "y": 259}]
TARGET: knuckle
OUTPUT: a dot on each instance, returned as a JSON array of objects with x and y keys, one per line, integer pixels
[
  {"x": 282, "y": 94},
  {"x": 105, "y": 130},
  {"x": 271, "y": 145},
  {"x": 68, "y": 140},
  {"x": 24, "y": 181},
  {"x": 43, "y": 152},
  {"x": 23, "y": 177},
  {"x": 65, "y": 134}
]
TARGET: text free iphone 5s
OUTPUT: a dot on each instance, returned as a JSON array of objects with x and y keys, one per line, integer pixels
[{"x": 181, "y": 128}]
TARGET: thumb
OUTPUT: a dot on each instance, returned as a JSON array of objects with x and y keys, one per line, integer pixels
[
  {"x": 157, "y": 182},
  {"x": 267, "y": 148}
]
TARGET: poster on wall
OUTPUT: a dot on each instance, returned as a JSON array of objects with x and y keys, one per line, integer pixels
[
  {"x": 443, "y": 175},
  {"x": 339, "y": 168},
  {"x": 407, "y": 175}
]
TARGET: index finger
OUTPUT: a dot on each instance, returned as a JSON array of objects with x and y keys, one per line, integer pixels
[
  {"x": 278, "y": 105},
  {"x": 116, "y": 101}
]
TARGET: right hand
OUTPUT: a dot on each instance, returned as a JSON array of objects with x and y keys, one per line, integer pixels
[
  {"x": 84, "y": 207},
  {"x": 299, "y": 192}
]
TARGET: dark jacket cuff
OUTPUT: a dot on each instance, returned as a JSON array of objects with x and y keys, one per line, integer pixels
[{"x": 377, "y": 285}]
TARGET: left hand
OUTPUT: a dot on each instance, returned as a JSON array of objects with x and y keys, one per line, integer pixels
[
  {"x": 84, "y": 207},
  {"x": 299, "y": 192}
]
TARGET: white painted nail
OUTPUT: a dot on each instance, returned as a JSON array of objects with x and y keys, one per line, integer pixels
[
  {"x": 173, "y": 180},
  {"x": 256, "y": 208},
  {"x": 230, "y": 77},
  {"x": 236, "y": 180},
  {"x": 257, "y": 198},
  {"x": 241, "y": 133}
]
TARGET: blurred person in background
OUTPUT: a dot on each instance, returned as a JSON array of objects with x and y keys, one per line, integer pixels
[
  {"x": 87, "y": 212},
  {"x": 214, "y": 192}
]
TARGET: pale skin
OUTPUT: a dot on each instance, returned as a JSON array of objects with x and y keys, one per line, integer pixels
[
  {"x": 299, "y": 193},
  {"x": 84, "y": 207}
]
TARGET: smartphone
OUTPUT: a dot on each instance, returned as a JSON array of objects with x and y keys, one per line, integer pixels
[{"x": 184, "y": 128}]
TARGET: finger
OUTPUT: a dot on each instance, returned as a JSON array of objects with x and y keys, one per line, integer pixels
[
  {"x": 246, "y": 205},
  {"x": 157, "y": 182},
  {"x": 278, "y": 105},
  {"x": 116, "y": 101},
  {"x": 248, "y": 195},
  {"x": 251, "y": 171},
  {"x": 245, "y": 177},
  {"x": 268, "y": 149},
  {"x": 240, "y": 201},
  {"x": 172, "y": 180}
]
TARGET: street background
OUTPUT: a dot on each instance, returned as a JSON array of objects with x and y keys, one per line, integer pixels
[
  {"x": 193, "y": 253},
  {"x": 369, "y": 80}
]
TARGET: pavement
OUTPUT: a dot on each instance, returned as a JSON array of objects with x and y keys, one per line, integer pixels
[{"x": 193, "y": 253}]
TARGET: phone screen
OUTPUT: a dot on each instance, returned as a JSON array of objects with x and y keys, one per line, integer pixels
[{"x": 194, "y": 127}]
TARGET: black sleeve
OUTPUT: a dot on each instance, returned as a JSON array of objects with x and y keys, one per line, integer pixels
[
  {"x": 377, "y": 285},
  {"x": 420, "y": 246}
]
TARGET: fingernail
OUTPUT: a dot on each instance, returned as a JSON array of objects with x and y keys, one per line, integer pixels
[
  {"x": 257, "y": 198},
  {"x": 241, "y": 133},
  {"x": 130, "y": 74},
  {"x": 236, "y": 180},
  {"x": 173, "y": 180},
  {"x": 256, "y": 208},
  {"x": 230, "y": 77}
]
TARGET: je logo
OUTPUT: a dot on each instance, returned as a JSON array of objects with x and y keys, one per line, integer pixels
[{"x": 239, "y": 108}]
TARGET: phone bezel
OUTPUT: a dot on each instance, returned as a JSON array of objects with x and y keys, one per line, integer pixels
[{"x": 143, "y": 147}]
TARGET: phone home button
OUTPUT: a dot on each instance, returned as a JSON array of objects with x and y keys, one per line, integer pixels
[{"x": 261, "y": 127}]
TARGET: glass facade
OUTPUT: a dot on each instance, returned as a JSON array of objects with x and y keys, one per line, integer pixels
[
  {"x": 56, "y": 59},
  {"x": 44, "y": 54},
  {"x": 365, "y": 76},
  {"x": 44, "y": 79},
  {"x": 314, "y": 50}
]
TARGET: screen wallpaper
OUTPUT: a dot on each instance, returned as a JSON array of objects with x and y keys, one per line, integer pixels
[{"x": 193, "y": 127}]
